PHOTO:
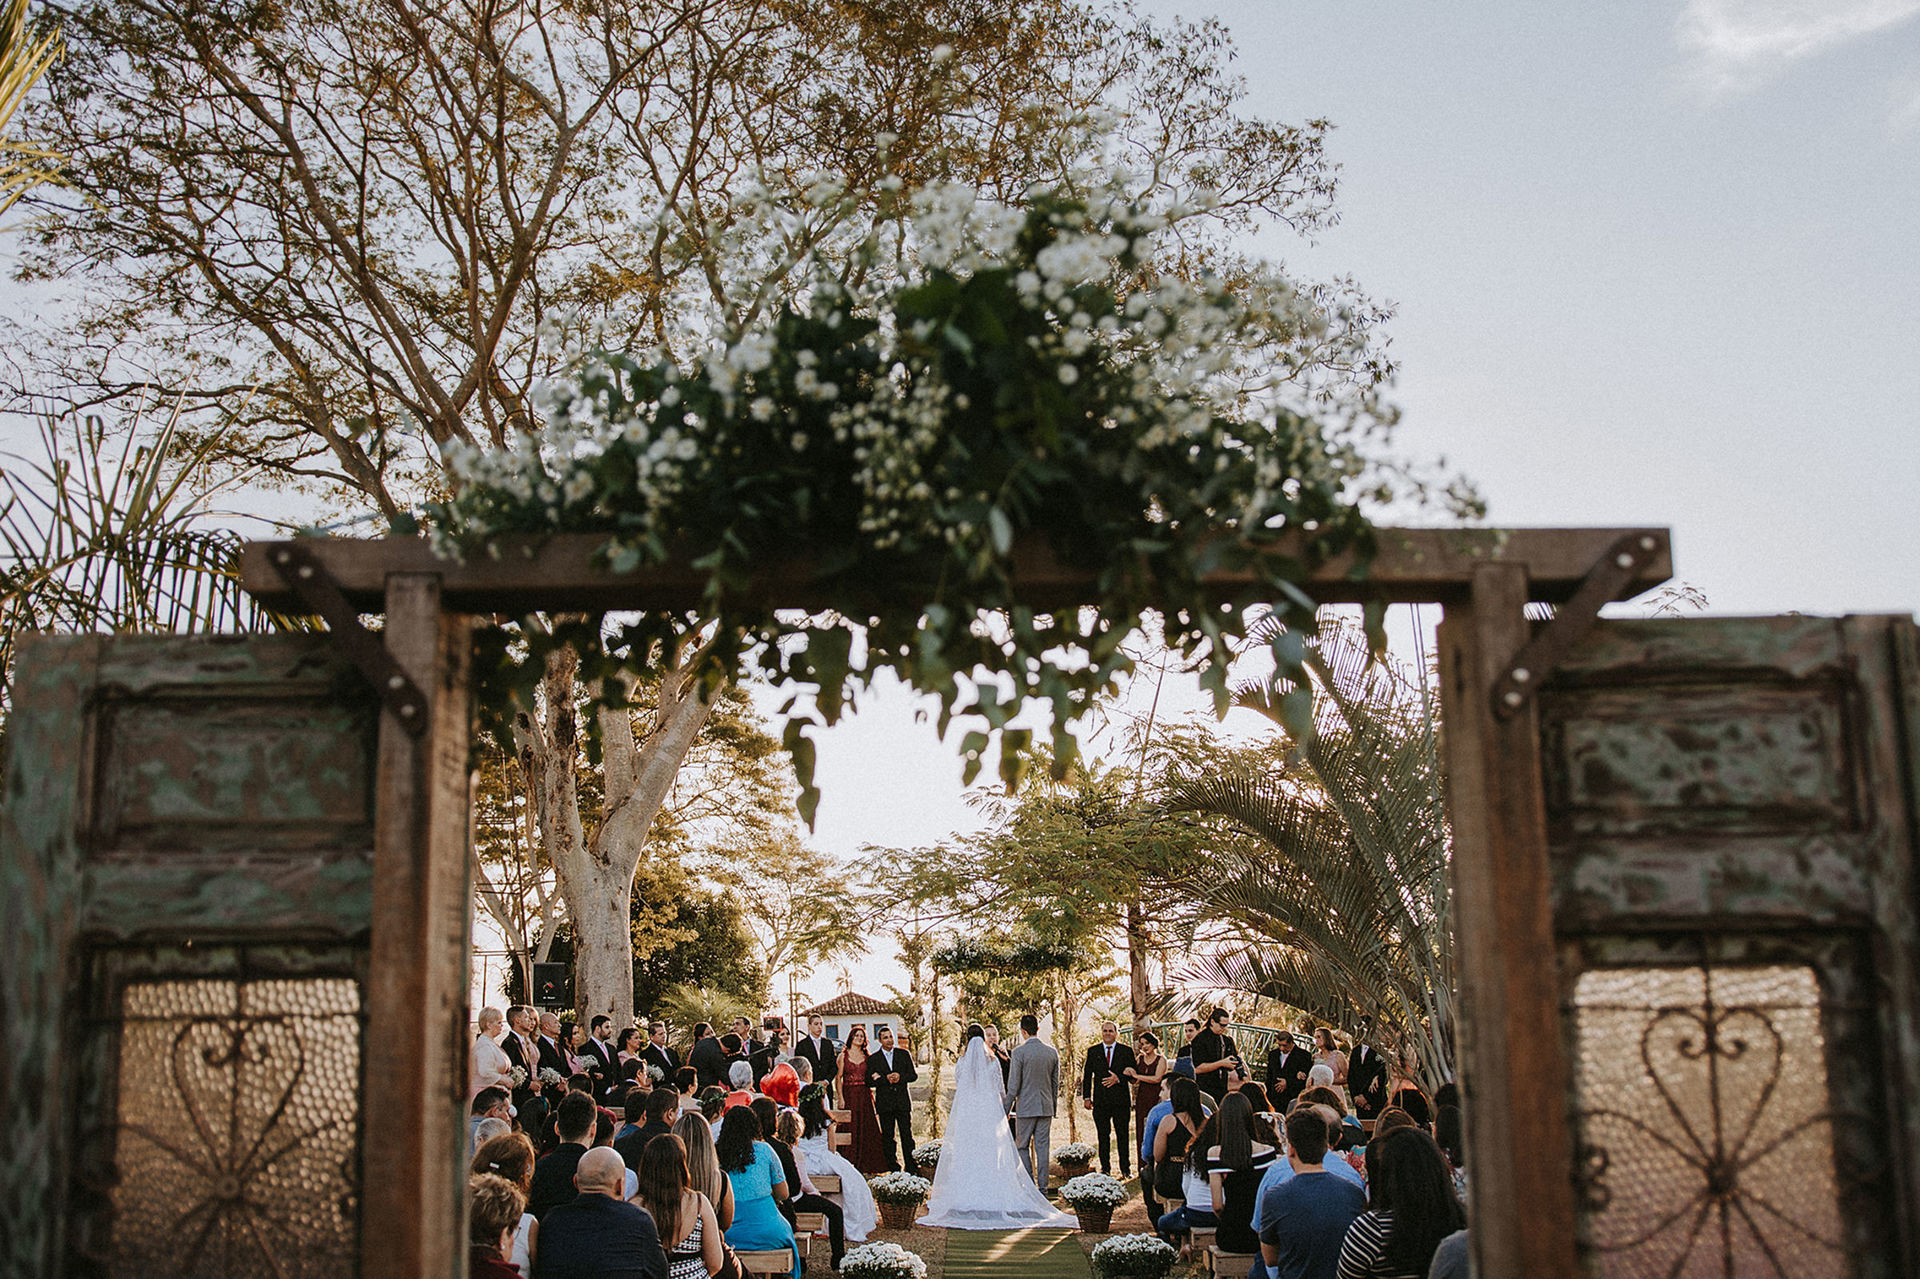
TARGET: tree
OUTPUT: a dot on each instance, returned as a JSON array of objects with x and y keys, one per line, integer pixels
[
  {"x": 24, "y": 58},
  {"x": 797, "y": 903},
  {"x": 1331, "y": 876}
]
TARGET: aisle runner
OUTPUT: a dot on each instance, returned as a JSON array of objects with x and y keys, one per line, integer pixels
[{"x": 1015, "y": 1254}]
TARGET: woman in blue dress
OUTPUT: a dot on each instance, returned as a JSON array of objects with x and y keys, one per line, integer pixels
[{"x": 759, "y": 1185}]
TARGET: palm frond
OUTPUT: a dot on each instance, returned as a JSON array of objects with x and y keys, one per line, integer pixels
[{"x": 23, "y": 60}]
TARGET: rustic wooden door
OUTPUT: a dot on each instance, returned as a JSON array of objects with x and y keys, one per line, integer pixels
[
  {"x": 1730, "y": 828},
  {"x": 189, "y": 981}
]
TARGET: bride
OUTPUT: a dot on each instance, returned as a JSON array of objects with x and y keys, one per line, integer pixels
[{"x": 979, "y": 1183}]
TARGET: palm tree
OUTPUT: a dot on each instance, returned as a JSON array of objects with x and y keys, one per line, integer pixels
[
  {"x": 23, "y": 60},
  {"x": 1329, "y": 885}
]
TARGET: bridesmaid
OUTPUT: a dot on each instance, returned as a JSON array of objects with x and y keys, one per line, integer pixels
[
  {"x": 866, "y": 1152},
  {"x": 1327, "y": 1053},
  {"x": 1147, "y": 1072}
]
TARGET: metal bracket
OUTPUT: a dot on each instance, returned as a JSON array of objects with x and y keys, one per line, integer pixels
[
  {"x": 310, "y": 581},
  {"x": 1572, "y": 620}
]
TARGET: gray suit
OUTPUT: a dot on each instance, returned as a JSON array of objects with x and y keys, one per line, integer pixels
[{"x": 1033, "y": 1092}]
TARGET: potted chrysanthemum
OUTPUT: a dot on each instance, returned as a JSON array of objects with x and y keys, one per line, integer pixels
[
  {"x": 1074, "y": 1158},
  {"x": 1093, "y": 1196},
  {"x": 882, "y": 1261},
  {"x": 899, "y": 1195},
  {"x": 1133, "y": 1257},
  {"x": 926, "y": 1157}
]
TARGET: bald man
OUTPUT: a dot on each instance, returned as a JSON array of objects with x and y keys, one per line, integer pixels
[{"x": 599, "y": 1235}]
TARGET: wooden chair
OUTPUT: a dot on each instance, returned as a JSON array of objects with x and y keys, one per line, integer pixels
[
  {"x": 810, "y": 1223},
  {"x": 1228, "y": 1265},
  {"x": 841, "y": 1118},
  {"x": 842, "y": 1139},
  {"x": 1202, "y": 1239},
  {"x": 772, "y": 1261},
  {"x": 826, "y": 1183}
]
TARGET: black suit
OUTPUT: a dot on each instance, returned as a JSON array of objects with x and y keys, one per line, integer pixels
[
  {"x": 630, "y": 1146},
  {"x": 763, "y": 1061},
  {"x": 532, "y": 1109},
  {"x": 551, "y": 1058},
  {"x": 600, "y": 1064},
  {"x": 709, "y": 1060},
  {"x": 891, "y": 1102},
  {"x": 599, "y": 1237},
  {"x": 1288, "y": 1066},
  {"x": 825, "y": 1058},
  {"x": 1367, "y": 1081},
  {"x": 665, "y": 1058},
  {"x": 553, "y": 1179},
  {"x": 1112, "y": 1102}
]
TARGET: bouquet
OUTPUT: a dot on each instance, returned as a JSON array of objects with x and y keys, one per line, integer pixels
[
  {"x": 927, "y": 1153},
  {"x": 517, "y": 1076},
  {"x": 656, "y": 1075},
  {"x": 1133, "y": 1257},
  {"x": 1093, "y": 1190},
  {"x": 882, "y": 1261},
  {"x": 551, "y": 1078},
  {"x": 901, "y": 1188},
  {"x": 1075, "y": 1152}
]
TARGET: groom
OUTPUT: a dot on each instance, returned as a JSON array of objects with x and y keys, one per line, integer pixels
[{"x": 1033, "y": 1090}]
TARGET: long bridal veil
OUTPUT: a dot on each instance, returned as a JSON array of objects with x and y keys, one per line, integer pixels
[{"x": 980, "y": 1183}]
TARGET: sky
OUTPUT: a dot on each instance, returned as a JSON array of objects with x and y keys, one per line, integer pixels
[{"x": 1654, "y": 263}]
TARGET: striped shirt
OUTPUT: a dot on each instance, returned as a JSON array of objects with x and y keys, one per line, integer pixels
[{"x": 1363, "y": 1252}]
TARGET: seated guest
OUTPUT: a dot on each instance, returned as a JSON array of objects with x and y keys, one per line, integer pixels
[
  {"x": 686, "y": 1082},
  {"x": 740, "y": 1074},
  {"x": 485, "y": 1130},
  {"x": 488, "y": 1103},
  {"x": 603, "y": 1126},
  {"x": 493, "y": 1209},
  {"x": 1350, "y": 1134},
  {"x": 598, "y": 1234},
  {"x": 553, "y": 1175},
  {"x": 1304, "y": 1219},
  {"x": 1195, "y": 1194},
  {"x": 1266, "y": 1121},
  {"x": 1414, "y": 1207},
  {"x": 759, "y": 1184},
  {"x": 1391, "y": 1118},
  {"x": 635, "y": 1110},
  {"x": 684, "y": 1217},
  {"x": 815, "y": 1149},
  {"x": 1235, "y": 1164},
  {"x": 703, "y": 1166},
  {"x": 663, "y": 1107},
  {"x": 782, "y": 1084},
  {"x": 1185, "y": 1117},
  {"x": 805, "y": 1197},
  {"x": 512, "y": 1157}
]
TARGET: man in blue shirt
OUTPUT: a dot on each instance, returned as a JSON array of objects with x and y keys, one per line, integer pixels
[
  {"x": 599, "y": 1235},
  {"x": 1306, "y": 1203}
]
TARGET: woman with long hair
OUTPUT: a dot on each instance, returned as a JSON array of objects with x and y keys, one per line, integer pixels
[
  {"x": 816, "y": 1144},
  {"x": 703, "y": 1166},
  {"x": 781, "y": 1129},
  {"x": 1235, "y": 1163},
  {"x": 866, "y": 1151},
  {"x": 759, "y": 1184},
  {"x": 511, "y": 1156},
  {"x": 1392, "y": 1119},
  {"x": 684, "y": 1217},
  {"x": 1148, "y": 1071},
  {"x": 1413, "y": 1209},
  {"x": 626, "y": 1047},
  {"x": 1170, "y": 1146},
  {"x": 1326, "y": 1052}
]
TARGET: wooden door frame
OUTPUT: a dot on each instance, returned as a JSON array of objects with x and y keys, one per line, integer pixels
[{"x": 1512, "y": 1062}]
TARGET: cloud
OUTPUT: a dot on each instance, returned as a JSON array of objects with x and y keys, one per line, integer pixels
[{"x": 1738, "y": 45}]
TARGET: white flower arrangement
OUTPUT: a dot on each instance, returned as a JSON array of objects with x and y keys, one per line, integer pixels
[
  {"x": 551, "y": 1078},
  {"x": 517, "y": 1076},
  {"x": 882, "y": 1261},
  {"x": 899, "y": 1188},
  {"x": 927, "y": 1153},
  {"x": 1133, "y": 1257},
  {"x": 656, "y": 1075},
  {"x": 1075, "y": 1152},
  {"x": 1093, "y": 1190}
]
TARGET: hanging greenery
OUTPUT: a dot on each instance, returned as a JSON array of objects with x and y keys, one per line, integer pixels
[{"x": 1026, "y": 376}]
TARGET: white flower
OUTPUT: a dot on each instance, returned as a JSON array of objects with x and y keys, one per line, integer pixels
[
  {"x": 1068, "y": 375},
  {"x": 751, "y": 353},
  {"x": 761, "y": 408}
]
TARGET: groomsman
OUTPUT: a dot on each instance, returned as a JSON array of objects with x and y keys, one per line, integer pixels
[
  {"x": 1288, "y": 1066},
  {"x": 597, "y": 1053},
  {"x": 1104, "y": 1091},
  {"x": 656, "y": 1053},
  {"x": 1367, "y": 1080},
  {"x": 818, "y": 1049},
  {"x": 518, "y": 1044},
  {"x": 890, "y": 1070}
]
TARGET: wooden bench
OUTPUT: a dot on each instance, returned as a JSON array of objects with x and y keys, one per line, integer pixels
[
  {"x": 842, "y": 1139},
  {"x": 841, "y": 1117},
  {"x": 810, "y": 1223},
  {"x": 826, "y": 1183},
  {"x": 1228, "y": 1265},
  {"x": 1202, "y": 1239},
  {"x": 771, "y": 1261}
]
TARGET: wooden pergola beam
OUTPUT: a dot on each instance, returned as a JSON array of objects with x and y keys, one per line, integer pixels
[{"x": 558, "y": 573}]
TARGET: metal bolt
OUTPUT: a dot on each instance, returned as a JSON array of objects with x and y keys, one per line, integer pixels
[
  {"x": 396, "y": 682},
  {"x": 1521, "y": 674},
  {"x": 1512, "y": 697},
  {"x": 1648, "y": 543},
  {"x": 306, "y": 570},
  {"x": 1624, "y": 560}
]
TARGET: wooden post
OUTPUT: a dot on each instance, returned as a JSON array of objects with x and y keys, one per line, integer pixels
[
  {"x": 1513, "y": 1068},
  {"x": 412, "y": 1219}
]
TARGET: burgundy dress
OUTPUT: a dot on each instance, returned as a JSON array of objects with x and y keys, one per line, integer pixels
[
  {"x": 866, "y": 1153},
  {"x": 1146, "y": 1095}
]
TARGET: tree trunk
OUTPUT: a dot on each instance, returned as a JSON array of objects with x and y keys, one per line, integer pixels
[
  {"x": 595, "y": 877},
  {"x": 1138, "y": 941}
]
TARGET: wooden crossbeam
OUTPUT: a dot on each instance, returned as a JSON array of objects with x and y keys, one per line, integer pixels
[{"x": 558, "y": 574}]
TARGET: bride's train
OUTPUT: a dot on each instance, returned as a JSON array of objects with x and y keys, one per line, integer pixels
[{"x": 980, "y": 1183}]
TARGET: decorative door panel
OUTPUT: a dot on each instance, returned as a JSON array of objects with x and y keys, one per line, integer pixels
[
  {"x": 1731, "y": 842},
  {"x": 187, "y": 852}
]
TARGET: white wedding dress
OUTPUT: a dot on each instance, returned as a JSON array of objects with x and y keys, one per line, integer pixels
[
  {"x": 980, "y": 1183},
  {"x": 856, "y": 1200}
]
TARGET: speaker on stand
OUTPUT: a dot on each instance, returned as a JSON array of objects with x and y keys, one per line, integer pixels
[{"x": 549, "y": 986}]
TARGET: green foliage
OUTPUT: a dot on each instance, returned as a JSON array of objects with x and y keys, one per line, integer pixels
[{"x": 25, "y": 56}]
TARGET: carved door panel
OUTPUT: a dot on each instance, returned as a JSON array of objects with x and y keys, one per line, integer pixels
[
  {"x": 1730, "y": 827},
  {"x": 186, "y": 872}
]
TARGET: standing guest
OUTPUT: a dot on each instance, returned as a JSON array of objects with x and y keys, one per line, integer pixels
[
  {"x": 734, "y": 1053},
  {"x": 626, "y": 1048},
  {"x": 787, "y": 1130},
  {"x": 512, "y": 1157},
  {"x": 707, "y": 1056},
  {"x": 493, "y": 1208},
  {"x": 1414, "y": 1208},
  {"x": 1288, "y": 1067},
  {"x": 1235, "y": 1164},
  {"x": 598, "y": 1234},
  {"x": 758, "y": 1183},
  {"x": 1367, "y": 1080},
  {"x": 820, "y": 1052},
  {"x": 1327, "y": 1053},
  {"x": 1185, "y": 1118},
  {"x": 1215, "y": 1056},
  {"x": 889, "y": 1071},
  {"x": 1103, "y": 1090},
  {"x": 573, "y": 1042},
  {"x": 684, "y": 1217},
  {"x": 553, "y": 1175},
  {"x": 657, "y": 1054},
  {"x": 1305, "y": 1218},
  {"x": 662, "y": 1112},
  {"x": 488, "y": 1066},
  {"x": 703, "y": 1166},
  {"x": 1405, "y": 1091},
  {"x": 744, "y": 1032},
  {"x": 816, "y": 1144},
  {"x": 596, "y": 1054},
  {"x": 523, "y": 1051},
  {"x": 1190, "y": 1030},
  {"x": 552, "y": 1056},
  {"x": 1148, "y": 1073},
  {"x": 856, "y": 1096}
]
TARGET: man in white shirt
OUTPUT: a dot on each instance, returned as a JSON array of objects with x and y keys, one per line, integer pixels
[{"x": 820, "y": 1051}]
